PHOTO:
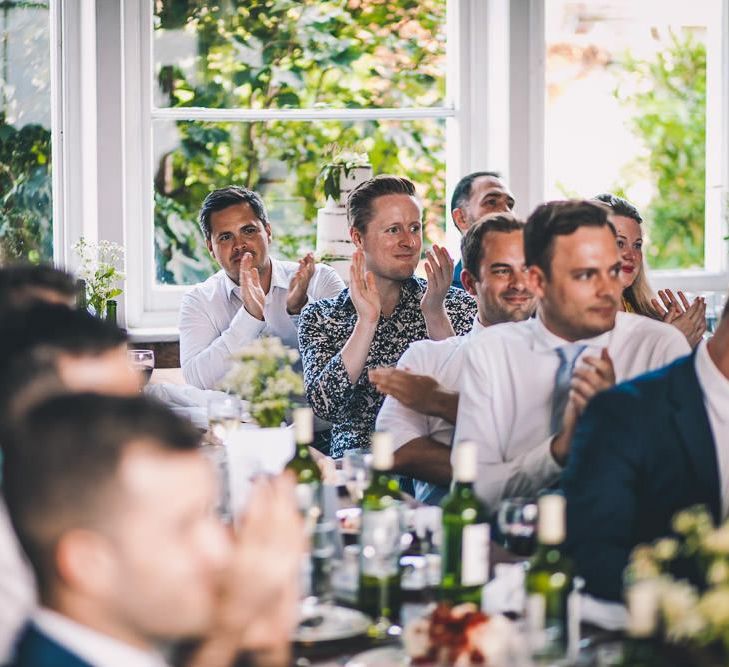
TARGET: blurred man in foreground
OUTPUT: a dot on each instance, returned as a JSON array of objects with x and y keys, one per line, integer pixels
[{"x": 126, "y": 549}]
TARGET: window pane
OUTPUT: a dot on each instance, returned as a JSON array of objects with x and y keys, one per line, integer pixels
[
  {"x": 281, "y": 160},
  {"x": 25, "y": 132},
  {"x": 299, "y": 53},
  {"x": 626, "y": 113}
]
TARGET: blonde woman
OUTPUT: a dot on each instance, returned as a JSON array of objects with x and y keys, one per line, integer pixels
[{"x": 638, "y": 297}]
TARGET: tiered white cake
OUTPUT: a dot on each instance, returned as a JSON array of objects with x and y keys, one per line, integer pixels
[{"x": 333, "y": 242}]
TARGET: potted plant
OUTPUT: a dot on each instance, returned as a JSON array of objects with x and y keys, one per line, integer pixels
[
  {"x": 100, "y": 269},
  {"x": 341, "y": 166}
]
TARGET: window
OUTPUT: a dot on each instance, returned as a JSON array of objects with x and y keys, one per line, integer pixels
[
  {"x": 633, "y": 106},
  {"x": 26, "y": 198},
  {"x": 255, "y": 93}
]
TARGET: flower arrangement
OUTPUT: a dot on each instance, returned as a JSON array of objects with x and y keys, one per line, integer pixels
[
  {"x": 263, "y": 374},
  {"x": 693, "y": 612},
  {"x": 100, "y": 267},
  {"x": 342, "y": 160}
]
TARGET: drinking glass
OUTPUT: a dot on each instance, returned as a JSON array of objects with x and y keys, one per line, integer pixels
[
  {"x": 357, "y": 469},
  {"x": 216, "y": 453},
  {"x": 518, "y": 524},
  {"x": 143, "y": 362},
  {"x": 323, "y": 550},
  {"x": 224, "y": 414}
]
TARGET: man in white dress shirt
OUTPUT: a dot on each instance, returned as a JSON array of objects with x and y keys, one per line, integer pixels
[
  {"x": 251, "y": 296},
  {"x": 524, "y": 384},
  {"x": 420, "y": 410}
]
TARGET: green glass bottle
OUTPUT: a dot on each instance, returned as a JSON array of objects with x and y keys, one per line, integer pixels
[
  {"x": 302, "y": 464},
  {"x": 641, "y": 647},
  {"x": 549, "y": 582},
  {"x": 379, "y": 579},
  {"x": 81, "y": 300},
  {"x": 466, "y": 533},
  {"x": 111, "y": 310}
]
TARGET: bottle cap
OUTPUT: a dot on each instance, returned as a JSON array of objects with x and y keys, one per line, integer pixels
[
  {"x": 642, "y": 608},
  {"x": 464, "y": 461},
  {"x": 551, "y": 519},
  {"x": 303, "y": 425},
  {"x": 382, "y": 458}
]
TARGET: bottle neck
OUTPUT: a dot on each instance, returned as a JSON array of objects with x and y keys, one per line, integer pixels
[
  {"x": 462, "y": 488},
  {"x": 302, "y": 450}
]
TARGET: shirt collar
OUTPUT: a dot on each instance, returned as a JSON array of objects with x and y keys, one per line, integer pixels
[
  {"x": 279, "y": 277},
  {"x": 92, "y": 646},
  {"x": 477, "y": 327},
  {"x": 545, "y": 340},
  {"x": 713, "y": 382}
]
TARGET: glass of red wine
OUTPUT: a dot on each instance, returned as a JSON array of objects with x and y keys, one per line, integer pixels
[
  {"x": 518, "y": 524},
  {"x": 143, "y": 361}
]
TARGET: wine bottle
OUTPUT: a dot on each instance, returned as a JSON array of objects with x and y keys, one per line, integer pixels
[
  {"x": 548, "y": 582},
  {"x": 111, "y": 312},
  {"x": 81, "y": 300},
  {"x": 641, "y": 649},
  {"x": 379, "y": 580},
  {"x": 466, "y": 533},
  {"x": 302, "y": 464}
]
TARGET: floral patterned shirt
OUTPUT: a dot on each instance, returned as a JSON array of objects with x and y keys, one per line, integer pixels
[{"x": 325, "y": 326}]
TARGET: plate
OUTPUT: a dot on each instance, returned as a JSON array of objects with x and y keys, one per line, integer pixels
[
  {"x": 326, "y": 623},
  {"x": 387, "y": 656}
]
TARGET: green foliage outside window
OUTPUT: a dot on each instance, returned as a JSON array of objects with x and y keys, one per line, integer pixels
[
  {"x": 26, "y": 203},
  {"x": 669, "y": 116},
  {"x": 277, "y": 54}
]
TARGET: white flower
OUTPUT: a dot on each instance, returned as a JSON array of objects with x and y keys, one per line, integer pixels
[
  {"x": 718, "y": 572},
  {"x": 714, "y": 606},
  {"x": 679, "y": 602},
  {"x": 665, "y": 549},
  {"x": 717, "y": 541}
]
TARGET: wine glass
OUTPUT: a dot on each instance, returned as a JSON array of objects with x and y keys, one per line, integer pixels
[
  {"x": 357, "y": 469},
  {"x": 323, "y": 550},
  {"x": 224, "y": 413},
  {"x": 517, "y": 519},
  {"x": 143, "y": 362},
  {"x": 216, "y": 453}
]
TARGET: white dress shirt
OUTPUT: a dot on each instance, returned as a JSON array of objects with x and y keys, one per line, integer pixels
[
  {"x": 439, "y": 359},
  {"x": 506, "y": 391},
  {"x": 17, "y": 586},
  {"x": 715, "y": 386},
  {"x": 214, "y": 324},
  {"x": 91, "y": 646}
]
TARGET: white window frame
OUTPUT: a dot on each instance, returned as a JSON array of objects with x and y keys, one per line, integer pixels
[
  {"x": 527, "y": 129},
  {"x": 494, "y": 120}
]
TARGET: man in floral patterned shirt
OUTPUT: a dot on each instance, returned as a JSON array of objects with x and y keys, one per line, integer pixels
[{"x": 385, "y": 308}]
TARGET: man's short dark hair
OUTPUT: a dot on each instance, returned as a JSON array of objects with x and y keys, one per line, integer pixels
[
  {"x": 360, "y": 200},
  {"x": 223, "y": 198},
  {"x": 55, "y": 327},
  {"x": 20, "y": 282},
  {"x": 462, "y": 192},
  {"x": 559, "y": 218},
  {"x": 472, "y": 241},
  {"x": 619, "y": 206},
  {"x": 32, "y": 338},
  {"x": 60, "y": 465}
]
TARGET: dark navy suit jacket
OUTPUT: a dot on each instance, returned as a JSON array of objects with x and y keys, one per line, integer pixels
[
  {"x": 642, "y": 451},
  {"x": 35, "y": 649}
]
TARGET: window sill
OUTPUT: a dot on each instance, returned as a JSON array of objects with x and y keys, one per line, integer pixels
[{"x": 153, "y": 334}]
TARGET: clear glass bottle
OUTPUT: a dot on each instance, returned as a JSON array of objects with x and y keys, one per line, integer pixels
[
  {"x": 466, "y": 533},
  {"x": 379, "y": 579},
  {"x": 548, "y": 582}
]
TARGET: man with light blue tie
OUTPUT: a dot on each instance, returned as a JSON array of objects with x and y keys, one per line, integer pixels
[{"x": 525, "y": 384}]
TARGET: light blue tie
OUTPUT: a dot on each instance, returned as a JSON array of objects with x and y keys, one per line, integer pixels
[{"x": 567, "y": 358}]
